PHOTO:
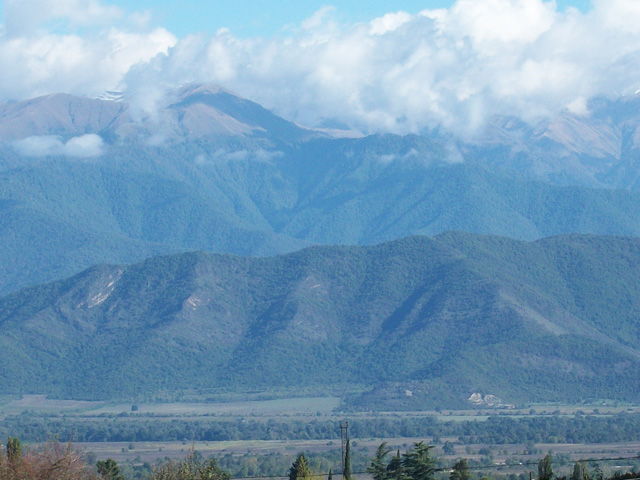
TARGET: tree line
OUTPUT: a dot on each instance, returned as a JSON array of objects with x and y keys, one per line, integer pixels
[{"x": 495, "y": 430}]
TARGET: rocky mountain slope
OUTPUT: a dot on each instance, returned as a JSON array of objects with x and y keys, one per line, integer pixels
[{"x": 188, "y": 114}]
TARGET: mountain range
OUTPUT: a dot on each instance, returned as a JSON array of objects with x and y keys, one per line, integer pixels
[
  {"x": 415, "y": 322},
  {"x": 86, "y": 181},
  {"x": 412, "y": 271}
]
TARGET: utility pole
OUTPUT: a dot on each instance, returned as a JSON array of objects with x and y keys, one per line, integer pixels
[{"x": 344, "y": 436}]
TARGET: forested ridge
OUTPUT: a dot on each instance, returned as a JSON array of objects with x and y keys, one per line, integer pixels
[{"x": 418, "y": 322}]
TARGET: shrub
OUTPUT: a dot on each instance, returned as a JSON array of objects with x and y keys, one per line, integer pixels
[{"x": 52, "y": 461}]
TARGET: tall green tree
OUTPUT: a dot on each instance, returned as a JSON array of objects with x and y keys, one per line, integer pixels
[
  {"x": 417, "y": 462},
  {"x": 460, "y": 470},
  {"x": 300, "y": 469},
  {"x": 378, "y": 467},
  {"x": 347, "y": 461},
  {"x": 108, "y": 469},
  {"x": 545, "y": 469}
]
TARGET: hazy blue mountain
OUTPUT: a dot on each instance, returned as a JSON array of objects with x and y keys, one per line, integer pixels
[
  {"x": 191, "y": 113},
  {"x": 600, "y": 147},
  {"x": 442, "y": 317},
  {"x": 212, "y": 171}
]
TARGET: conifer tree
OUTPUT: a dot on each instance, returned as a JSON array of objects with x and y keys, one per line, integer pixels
[
  {"x": 347, "y": 461},
  {"x": 300, "y": 469},
  {"x": 395, "y": 471},
  {"x": 417, "y": 462},
  {"x": 378, "y": 469}
]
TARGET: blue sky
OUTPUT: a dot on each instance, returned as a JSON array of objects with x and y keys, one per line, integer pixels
[{"x": 247, "y": 18}]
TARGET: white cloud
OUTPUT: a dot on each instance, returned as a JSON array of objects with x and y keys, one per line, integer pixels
[
  {"x": 84, "y": 146},
  {"x": 578, "y": 106},
  {"x": 452, "y": 67},
  {"x": 39, "y": 146},
  {"x": 73, "y": 64},
  {"x": 389, "y": 23},
  {"x": 621, "y": 15},
  {"x": 72, "y": 46},
  {"x": 319, "y": 19},
  {"x": 24, "y": 16},
  {"x": 262, "y": 155},
  {"x": 492, "y": 25}
]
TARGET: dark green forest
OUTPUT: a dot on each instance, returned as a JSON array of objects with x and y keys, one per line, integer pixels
[
  {"x": 60, "y": 217},
  {"x": 406, "y": 325},
  {"x": 494, "y": 431}
]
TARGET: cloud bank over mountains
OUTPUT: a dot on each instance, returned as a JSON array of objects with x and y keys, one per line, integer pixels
[{"x": 401, "y": 73}]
